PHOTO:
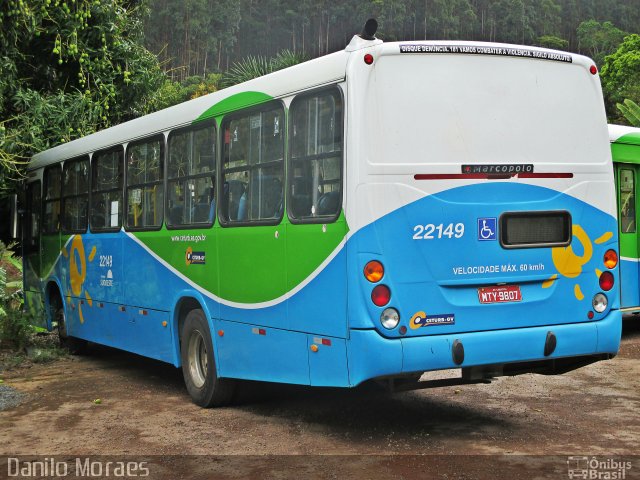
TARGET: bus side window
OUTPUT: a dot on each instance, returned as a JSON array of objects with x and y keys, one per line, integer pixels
[
  {"x": 52, "y": 199},
  {"x": 315, "y": 163},
  {"x": 145, "y": 173},
  {"x": 75, "y": 195},
  {"x": 253, "y": 166},
  {"x": 627, "y": 201},
  {"x": 191, "y": 176},
  {"x": 32, "y": 219},
  {"x": 106, "y": 190}
]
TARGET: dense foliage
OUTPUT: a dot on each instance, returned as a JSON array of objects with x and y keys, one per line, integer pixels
[
  {"x": 173, "y": 92},
  {"x": 237, "y": 38},
  {"x": 621, "y": 75},
  {"x": 67, "y": 69},
  {"x": 14, "y": 324},
  {"x": 198, "y": 36},
  {"x": 252, "y": 67}
]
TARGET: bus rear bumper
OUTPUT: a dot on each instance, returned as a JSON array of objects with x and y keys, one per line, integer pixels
[{"x": 371, "y": 355}]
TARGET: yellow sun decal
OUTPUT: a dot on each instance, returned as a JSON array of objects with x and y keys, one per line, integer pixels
[
  {"x": 548, "y": 283},
  {"x": 604, "y": 238},
  {"x": 566, "y": 261},
  {"x": 78, "y": 274},
  {"x": 569, "y": 264}
]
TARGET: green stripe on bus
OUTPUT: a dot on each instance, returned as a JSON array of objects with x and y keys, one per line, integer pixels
[
  {"x": 249, "y": 264},
  {"x": 234, "y": 102},
  {"x": 625, "y": 153}
]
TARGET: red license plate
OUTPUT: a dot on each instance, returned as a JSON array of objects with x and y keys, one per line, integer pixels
[{"x": 501, "y": 294}]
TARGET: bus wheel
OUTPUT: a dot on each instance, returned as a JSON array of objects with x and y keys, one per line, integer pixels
[
  {"x": 198, "y": 364},
  {"x": 74, "y": 345}
]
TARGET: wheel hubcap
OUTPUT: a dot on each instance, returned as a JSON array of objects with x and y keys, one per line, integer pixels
[{"x": 198, "y": 359}]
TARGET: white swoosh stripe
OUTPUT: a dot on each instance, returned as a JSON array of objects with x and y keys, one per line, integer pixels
[{"x": 629, "y": 259}]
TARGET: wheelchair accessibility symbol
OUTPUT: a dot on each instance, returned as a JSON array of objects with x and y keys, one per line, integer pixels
[{"x": 487, "y": 229}]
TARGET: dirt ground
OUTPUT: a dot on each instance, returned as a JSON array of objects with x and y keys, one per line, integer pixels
[{"x": 515, "y": 427}]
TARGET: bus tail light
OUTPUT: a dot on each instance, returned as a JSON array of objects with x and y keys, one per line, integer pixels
[
  {"x": 606, "y": 281},
  {"x": 374, "y": 271},
  {"x": 610, "y": 259},
  {"x": 600, "y": 302},
  {"x": 390, "y": 318},
  {"x": 380, "y": 295}
]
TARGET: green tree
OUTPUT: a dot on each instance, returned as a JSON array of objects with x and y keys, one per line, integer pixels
[
  {"x": 510, "y": 21},
  {"x": 551, "y": 41},
  {"x": 171, "y": 93},
  {"x": 252, "y": 67},
  {"x": 545, "y": 17},
  {"x": 598, "y": 39},
  {"x": 620, "y": 76},
  {"x": 68, "y": 69},
  {"x": 450, "y": 19},
  {"x": 192, "y": 37}
]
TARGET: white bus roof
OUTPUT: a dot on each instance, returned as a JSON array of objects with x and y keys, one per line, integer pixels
[{"x": 314, "y": 73}]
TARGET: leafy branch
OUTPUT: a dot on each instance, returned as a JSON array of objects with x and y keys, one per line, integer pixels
[{"x": 631, "y": 111}]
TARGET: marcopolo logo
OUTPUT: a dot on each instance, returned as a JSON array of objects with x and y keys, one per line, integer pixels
[
  {"x": 509, "y": 169},
  {"x": 194, "y": 258}
]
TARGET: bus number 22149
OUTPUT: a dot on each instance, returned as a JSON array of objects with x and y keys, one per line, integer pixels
[{"x": 431, "y": 231}]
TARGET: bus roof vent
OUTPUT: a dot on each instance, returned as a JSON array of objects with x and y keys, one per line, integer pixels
[
  {"x": 369, "y": 30},
  {"x": 366, "y": 38}
]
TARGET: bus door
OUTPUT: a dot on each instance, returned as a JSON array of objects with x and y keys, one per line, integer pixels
[
  {"x": 626, "y": 179},
  {"x": 31, "y": 250}
]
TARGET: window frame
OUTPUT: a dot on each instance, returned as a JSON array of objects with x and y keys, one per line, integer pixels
[
  {"x": 161, "y": 182},
  {"x": 324, "y": 219},
  {"x": 63, "y": 226},
  {"x": 121, "y": 189},
  {"x": 626, "y": 168},
  {"x": 33, "y": 186},
  {"x": 44, "y": 201},
  {"x": 192, "y": 128},
  {"x": 243, "y": 113},
  {"x": 503, "y": 229}
]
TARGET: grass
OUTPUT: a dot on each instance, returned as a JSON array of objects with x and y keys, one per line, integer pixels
[
  {"x": 20, "y": 342},
  {"x": 41, "y": 348}
]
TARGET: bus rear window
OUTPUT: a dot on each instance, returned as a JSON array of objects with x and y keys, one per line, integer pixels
[{"x": 457, "y": 110}]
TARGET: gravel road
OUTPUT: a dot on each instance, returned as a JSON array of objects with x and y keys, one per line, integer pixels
[{"x": 515, "y": 427}]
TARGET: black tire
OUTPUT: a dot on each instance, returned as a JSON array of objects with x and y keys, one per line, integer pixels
[
  {"x": 198, "y": 364},
  {"x": 75, "y": 346}
]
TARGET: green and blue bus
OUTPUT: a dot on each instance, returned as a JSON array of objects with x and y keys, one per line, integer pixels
[
  {"x": 385, "y": 210},
  {"x": 625, "y": 150}
]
